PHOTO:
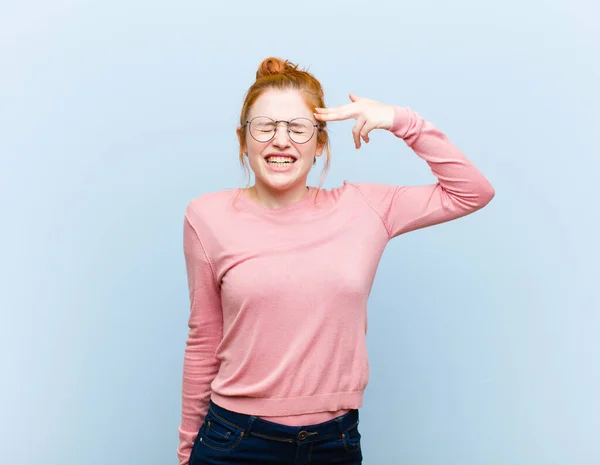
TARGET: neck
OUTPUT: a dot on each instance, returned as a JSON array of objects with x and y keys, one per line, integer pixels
[{"x": 271, "y": 198}]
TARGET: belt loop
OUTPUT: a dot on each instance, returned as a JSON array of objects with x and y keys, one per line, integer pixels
[
  {"x": 250, "y": 423},
  {"x": 339, "y": 423}
]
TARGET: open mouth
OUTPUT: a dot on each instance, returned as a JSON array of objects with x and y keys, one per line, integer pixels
[{"x": 280, "y": 161}]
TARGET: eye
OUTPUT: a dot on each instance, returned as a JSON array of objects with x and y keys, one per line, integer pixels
[
  {"x": 265, "y": 127},
  {"x": 299, "y": 128}
]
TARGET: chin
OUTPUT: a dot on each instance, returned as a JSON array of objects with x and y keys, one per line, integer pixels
[
  {"x": 277, "y": 186},
  {"x": 281, "y": 184}
]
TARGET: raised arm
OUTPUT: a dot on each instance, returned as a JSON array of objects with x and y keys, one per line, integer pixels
[{"x": 460, "y": 189}]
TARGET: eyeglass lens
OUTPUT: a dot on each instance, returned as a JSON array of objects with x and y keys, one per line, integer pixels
[{"x": 263, "y": 129}]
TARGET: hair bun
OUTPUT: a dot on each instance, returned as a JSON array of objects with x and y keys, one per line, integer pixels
[{"x": 271, "y": 66}]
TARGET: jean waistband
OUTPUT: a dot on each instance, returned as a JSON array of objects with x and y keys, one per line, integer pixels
[{"x": 251, "y": 424}]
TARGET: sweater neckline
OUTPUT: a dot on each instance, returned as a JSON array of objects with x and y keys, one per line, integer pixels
[{"x": 294, "y": 206}]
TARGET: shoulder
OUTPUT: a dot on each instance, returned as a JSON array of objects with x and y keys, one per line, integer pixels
[
  {"x": 207, "y": 216},
  {"x": 369, "y": 191},
  {"x": 373, "y": 196},
  {"x": 359, "y": 197},
  {"x": 347, "y": 189},
  {"x": 210, "y": 203}
]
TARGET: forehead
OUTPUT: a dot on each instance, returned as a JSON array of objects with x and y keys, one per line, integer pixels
[{"x": 278, "y": 104}]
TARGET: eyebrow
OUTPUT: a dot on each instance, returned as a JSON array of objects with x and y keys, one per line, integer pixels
[{"x": 250, "y": 118}]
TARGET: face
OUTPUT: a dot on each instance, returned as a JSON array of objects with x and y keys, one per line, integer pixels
[{"x": 294, "y": 160}]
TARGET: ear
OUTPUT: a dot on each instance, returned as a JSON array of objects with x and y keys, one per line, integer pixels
[
  {"x": 320, "y": 149},
  {"x": 239, "y": 135}
]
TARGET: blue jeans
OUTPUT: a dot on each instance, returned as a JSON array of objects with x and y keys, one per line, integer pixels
[{"x": 227, "y": 438}]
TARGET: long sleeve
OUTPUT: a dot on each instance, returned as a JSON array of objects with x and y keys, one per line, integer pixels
[
  {"x": 461, "y": 189},
  {"x": 205, "y": 332}
]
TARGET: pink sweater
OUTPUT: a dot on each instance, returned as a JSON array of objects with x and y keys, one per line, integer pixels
[{"x": 278, "y": 297}]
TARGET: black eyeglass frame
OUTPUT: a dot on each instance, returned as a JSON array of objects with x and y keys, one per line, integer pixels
[{"x": 248, "y": 122}]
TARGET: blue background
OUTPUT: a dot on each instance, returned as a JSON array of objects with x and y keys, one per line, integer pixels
[{"x": 483, "y": 332}]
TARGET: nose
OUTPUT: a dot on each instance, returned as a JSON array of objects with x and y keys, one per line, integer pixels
[{"x": 281, "y": 137}]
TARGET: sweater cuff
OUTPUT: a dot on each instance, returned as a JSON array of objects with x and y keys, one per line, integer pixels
[{"x": 402, "y": 117}]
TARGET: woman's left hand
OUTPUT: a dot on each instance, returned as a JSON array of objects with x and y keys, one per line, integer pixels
[{"x": 369, "y": 115}]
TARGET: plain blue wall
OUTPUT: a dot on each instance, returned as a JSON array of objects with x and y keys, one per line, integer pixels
[{"x": 483, "y": 333}]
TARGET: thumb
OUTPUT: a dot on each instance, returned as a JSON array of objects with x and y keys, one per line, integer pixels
[{"x": 354, "y": 97}]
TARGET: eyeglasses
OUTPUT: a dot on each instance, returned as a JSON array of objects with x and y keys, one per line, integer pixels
[{"x": 263, "y": 128}]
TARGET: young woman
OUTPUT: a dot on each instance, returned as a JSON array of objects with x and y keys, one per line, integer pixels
[{"x": 279, "y": 275}]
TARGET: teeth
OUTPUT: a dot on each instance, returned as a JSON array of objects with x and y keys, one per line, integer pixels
[{"x": 280, "y": 160}]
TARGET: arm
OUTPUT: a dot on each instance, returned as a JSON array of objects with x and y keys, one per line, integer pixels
[
  {"x": 460, "y": 189},
  {"x": 205, "y": 331}
]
